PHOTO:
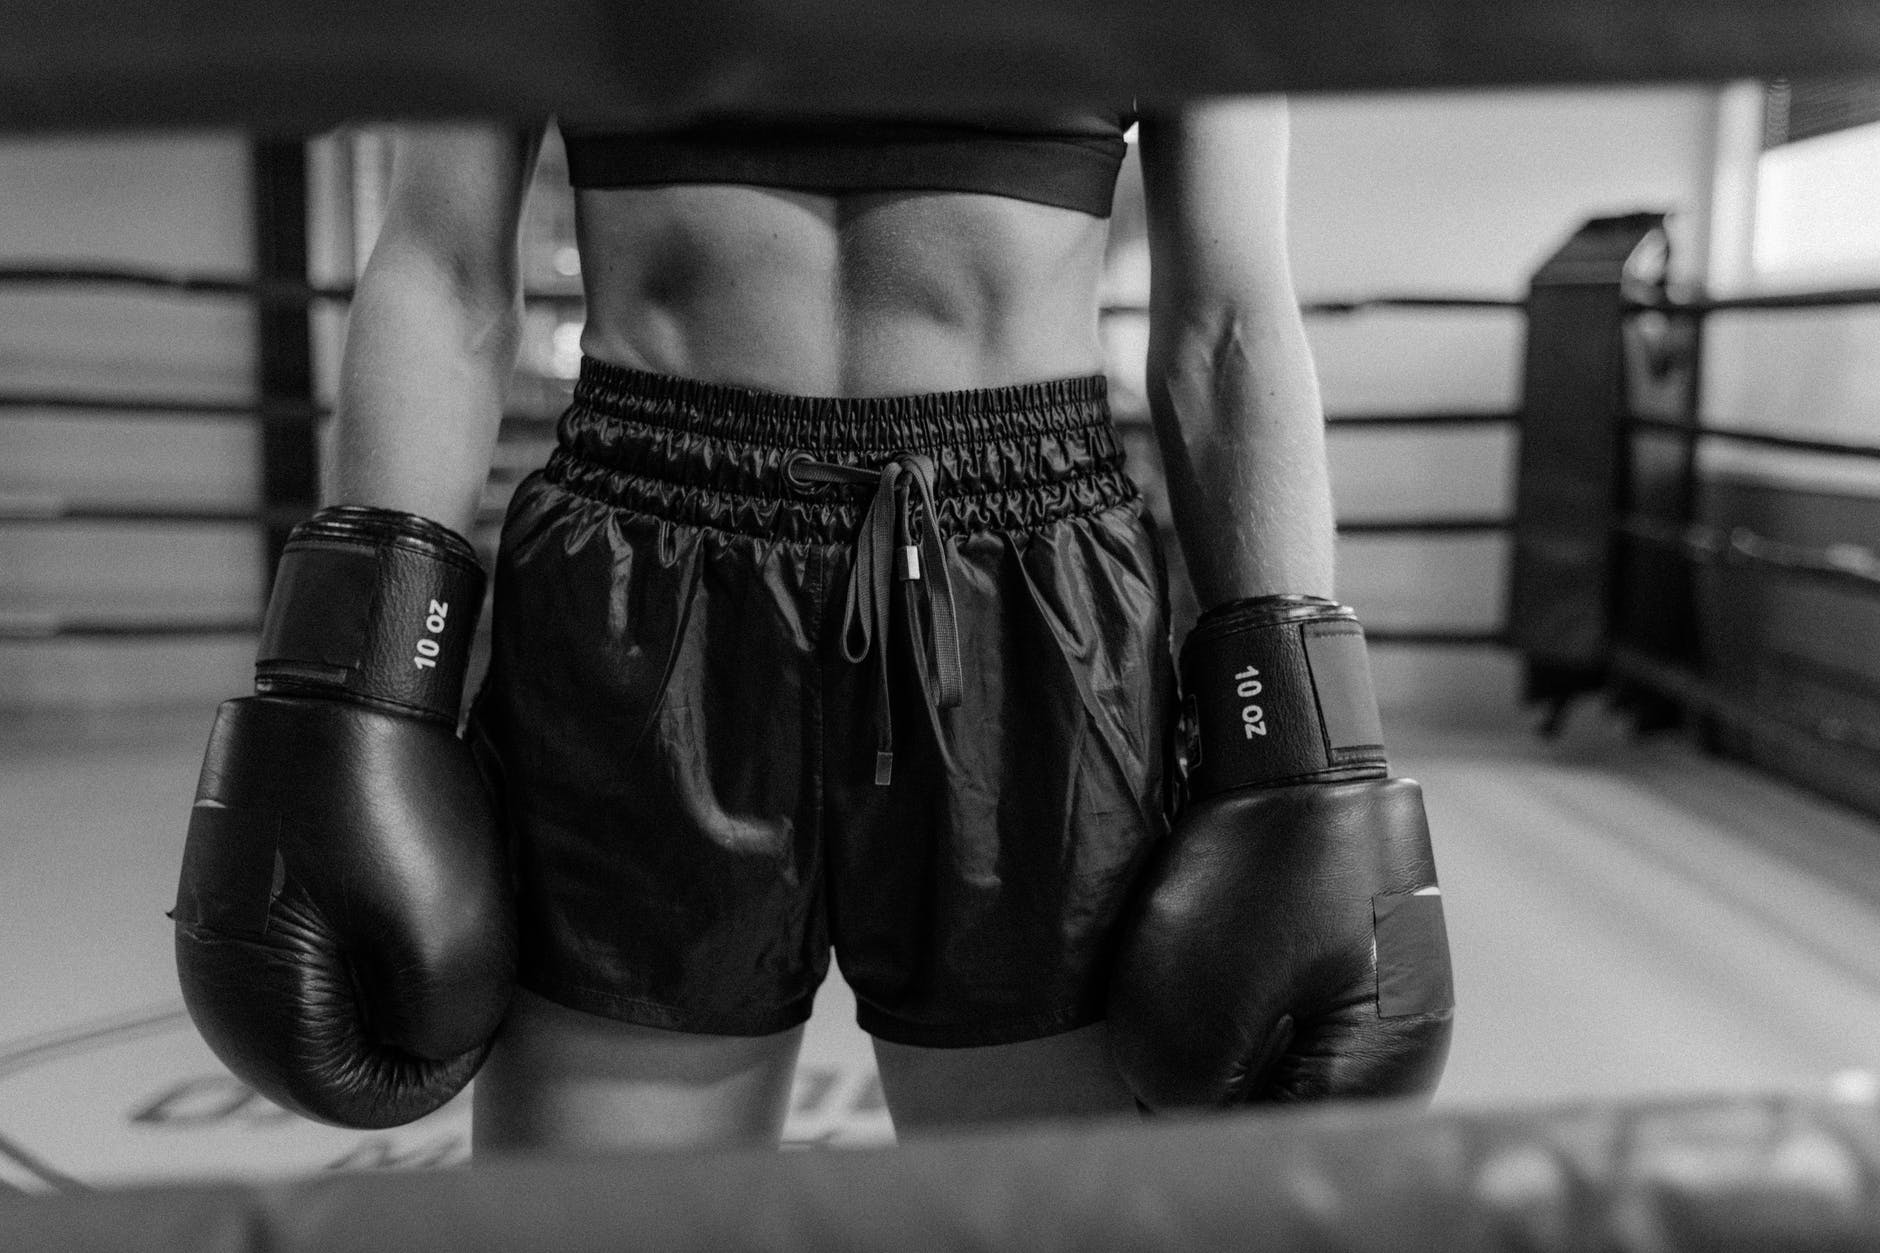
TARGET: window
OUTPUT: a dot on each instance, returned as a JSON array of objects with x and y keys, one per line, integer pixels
[{"x": 1817, "y": 211}]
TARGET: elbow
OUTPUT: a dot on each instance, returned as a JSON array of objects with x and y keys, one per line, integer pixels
[
  {"x": 1229, "y": 358},
  {"x": 1194, "y": 365},
  {"x": 1200, "y": 347},
  {"x": 478, "y": 295}
]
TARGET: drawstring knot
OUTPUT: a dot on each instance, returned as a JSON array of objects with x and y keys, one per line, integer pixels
[{"x": 899, "y": 541}]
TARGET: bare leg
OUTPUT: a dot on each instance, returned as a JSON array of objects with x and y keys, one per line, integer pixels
[
  {"x": 563, "y": 1081},
  {"x": 1069, "y": 1075}
]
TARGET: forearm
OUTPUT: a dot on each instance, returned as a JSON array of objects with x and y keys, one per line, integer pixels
[
  {"x": 427, "y": 363},
  {"x": 1238, "y": 417}
]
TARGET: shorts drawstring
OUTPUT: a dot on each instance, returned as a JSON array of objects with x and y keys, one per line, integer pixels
[{"x": 899, "y": 537}]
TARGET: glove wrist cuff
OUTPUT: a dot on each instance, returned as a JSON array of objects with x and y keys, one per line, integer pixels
[
  {"x": 374, "y": 606},
  {"x": 1277, "y": 690}
]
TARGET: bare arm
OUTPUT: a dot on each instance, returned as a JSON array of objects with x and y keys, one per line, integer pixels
[
  {"x": 1231, "y": 382},
  {"x": 434, "y": 327}
]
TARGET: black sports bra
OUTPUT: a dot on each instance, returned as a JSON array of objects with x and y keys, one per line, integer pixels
[{"x": 1070, "y": 161}]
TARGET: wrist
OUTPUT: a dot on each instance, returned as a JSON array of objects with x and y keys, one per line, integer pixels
[
  {"x": 1277, "y": 690},
  {"x": 374, "y": 606}
]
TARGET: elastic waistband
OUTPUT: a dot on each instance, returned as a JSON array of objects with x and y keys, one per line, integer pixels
[{"x": 715, "y": 455}]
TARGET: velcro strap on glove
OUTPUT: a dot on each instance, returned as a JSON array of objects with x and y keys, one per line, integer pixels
[
  {"x": 375, "y": 606},
  {"x": 1277, "y": 690}
]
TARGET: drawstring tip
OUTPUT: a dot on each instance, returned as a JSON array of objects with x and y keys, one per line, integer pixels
[
  {"x": 910, "y": 563},
  {"x": 884, "y": 769}
]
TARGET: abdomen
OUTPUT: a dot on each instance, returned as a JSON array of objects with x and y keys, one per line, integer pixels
[{"x": 872, "y": 294}]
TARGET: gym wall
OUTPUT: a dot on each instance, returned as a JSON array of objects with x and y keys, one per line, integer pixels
[{"x": 175, "y": 201}]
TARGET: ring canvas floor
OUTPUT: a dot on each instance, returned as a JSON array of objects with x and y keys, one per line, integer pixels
[{"x": 1629, "y": 918}]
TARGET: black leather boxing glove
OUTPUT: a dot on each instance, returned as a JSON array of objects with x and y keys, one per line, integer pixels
[
  {"x": 1287, "y": 940},
  {"x": 344, "y": 934}
]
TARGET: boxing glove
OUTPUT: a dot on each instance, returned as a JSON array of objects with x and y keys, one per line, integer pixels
[
  {"x": 344, "y": 933},
  {"x": 1286, "y": 941}
]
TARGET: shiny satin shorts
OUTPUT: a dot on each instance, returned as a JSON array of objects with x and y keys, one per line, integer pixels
[{"x": 772, "y": 673}]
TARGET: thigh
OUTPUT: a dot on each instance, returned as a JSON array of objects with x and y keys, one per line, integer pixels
[
  {"x": 1060, "y": 1076},
  {"x": 560, "y": 1080},
  {"x": 645, "y": 716}
]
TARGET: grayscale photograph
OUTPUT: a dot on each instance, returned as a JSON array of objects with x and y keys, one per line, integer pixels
[{"x": 1048, "y": 626}]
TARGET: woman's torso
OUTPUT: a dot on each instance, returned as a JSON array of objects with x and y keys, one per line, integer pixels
[{"x": 839, "y": 292}]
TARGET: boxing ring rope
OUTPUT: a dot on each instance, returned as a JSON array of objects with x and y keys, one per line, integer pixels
[
  {"x": 1699, "y": 306},
  {"x": 1763, "y": 1174},
  {"x": 291, "y": 64},
  {"x": 29, "y": 625},
  {"x": 1762, "y": 717},
  {"x": 276, "y": 411},
  {"x": 1762, "y": 439},
  {"x": 158, "y": 283},
  {"x": 1852, "y": 566},
  {"x": 177, "y": 283}
]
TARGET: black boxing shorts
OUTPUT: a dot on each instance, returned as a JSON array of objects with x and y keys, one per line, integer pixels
[{"x": 771, "y": 673}]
